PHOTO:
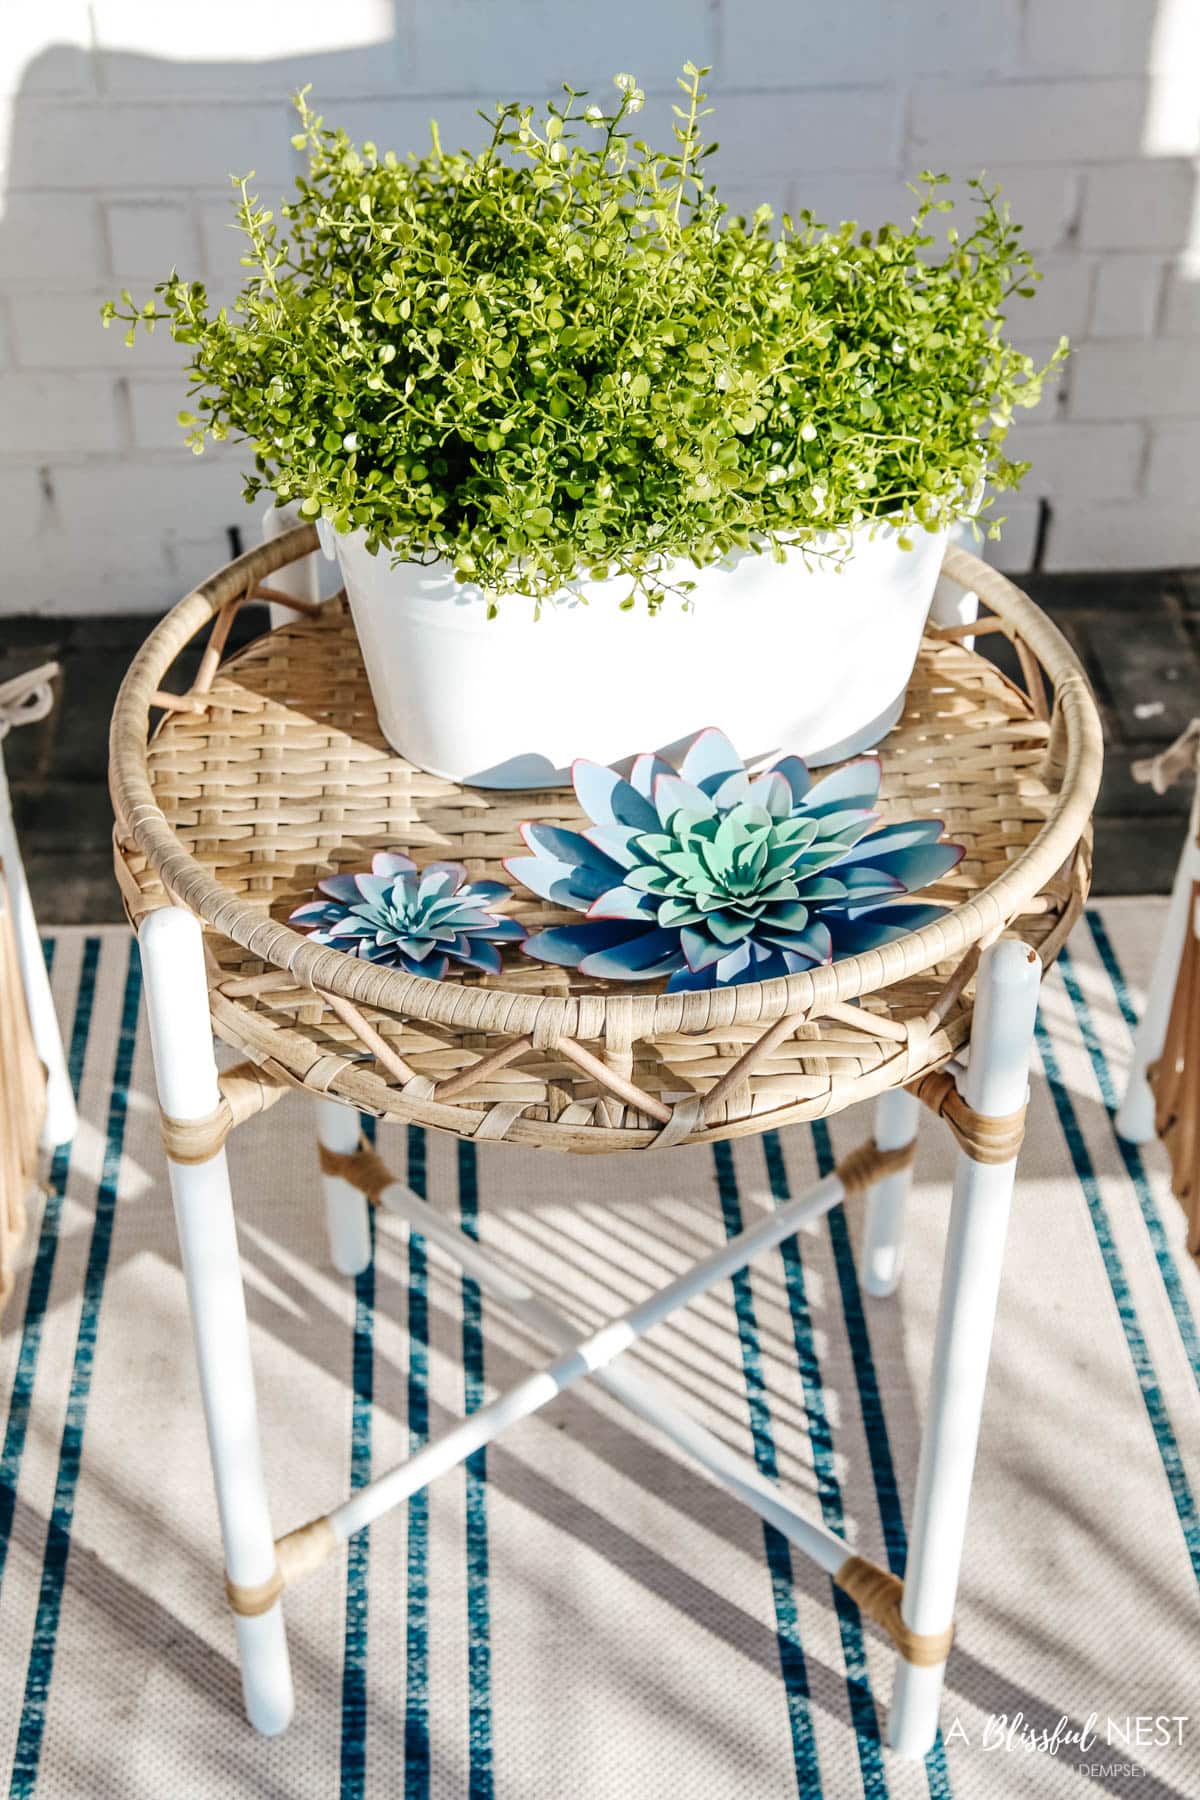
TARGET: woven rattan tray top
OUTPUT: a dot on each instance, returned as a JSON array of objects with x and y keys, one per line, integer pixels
[{"x": 273, "y": 773}]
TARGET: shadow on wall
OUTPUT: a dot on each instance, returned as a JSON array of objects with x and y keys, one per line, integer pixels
[{"x": 120, "y": 143}]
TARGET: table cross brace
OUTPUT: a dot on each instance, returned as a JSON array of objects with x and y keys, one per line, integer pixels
[
  {"x": 877, "y": 1591},
  {"x": 985, "y": 1112}
]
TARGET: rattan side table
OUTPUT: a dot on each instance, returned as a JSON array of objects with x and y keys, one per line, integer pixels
[{"x": 271, "y": 773}]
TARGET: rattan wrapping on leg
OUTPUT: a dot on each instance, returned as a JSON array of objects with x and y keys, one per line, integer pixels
[
  {"x": 877, "y": 1592},
  {"x": 863, "y": 1167},
  {"x": 363, "y": 1168},
  {"x": 300, "y": 1551},
  {"x": 285, "y": 777},
  {"x": 245, "y": 1091},
  {"x": 984, "y": 1140},
  {"x": 366, "y": 1170}
]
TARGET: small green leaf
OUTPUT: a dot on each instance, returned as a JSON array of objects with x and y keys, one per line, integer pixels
[{"x": 558, "y": 352}]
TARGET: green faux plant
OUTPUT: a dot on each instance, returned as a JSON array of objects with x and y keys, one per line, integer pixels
[{"x": 561, "y": 355}]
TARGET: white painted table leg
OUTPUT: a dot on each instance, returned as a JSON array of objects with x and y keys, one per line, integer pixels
[
  {"x": 1135, "y": 1116},
  {"x": 186, "y": 1076},
  {"x": 347, "y": 1212},
  {"x": 882, "y": 1258},
  {"x": 995, "y": 1084},
  {"x": 953, "y": 605},
  {"x": 60, "y": 1121},
  {"x": 302, "y": 578}
]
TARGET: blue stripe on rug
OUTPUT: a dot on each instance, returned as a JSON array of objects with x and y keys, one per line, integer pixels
[
  {"x": 863, "y": 1712},
  {"x": 1129, "y": 1153},
  {"x": 58, "y": 1537},
  {"x": 417, "y": 1766},
  {"x": 1112, "y": 967},
  {"x": 1156, "y": 1410},
  {"x": 779, "y": 1562},
  {"x": 480, "y": 1783},
  {"x": 21, "y": 1399},
  {"x": 879, "y": 1449},
  {"x": 353, "y": 1771}
]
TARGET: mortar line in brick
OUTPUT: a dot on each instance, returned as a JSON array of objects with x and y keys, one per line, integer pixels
[
  {"x": 716, "y": 13},
  {"x": 1074, "y": 221},
  {"x": 1158, "y": 326},
  {"x": 106, "y": 242},
  {"x": 1142, "y": 478},
  {"x": 95, "y": 58},
  {"x": 907, "y": 121},
  {"x": 123, "y": 401}
]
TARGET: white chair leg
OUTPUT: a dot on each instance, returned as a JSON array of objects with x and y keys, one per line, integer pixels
[
  {"x": 186, "y": 1077},
  {"x": 995, "y": 1085},
  {"x": 882, "y": 1257},
  {"x": 60, "y": 1121},
  {"x": 1135, "y": 1115},
  {"x": 347, "y": 1213}
]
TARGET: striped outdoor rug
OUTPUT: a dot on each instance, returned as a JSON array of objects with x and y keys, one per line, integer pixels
[{"x": 577, "y": 1613}]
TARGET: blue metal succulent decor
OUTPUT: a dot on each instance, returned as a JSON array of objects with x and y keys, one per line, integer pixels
[
  {"x": 418, "y": 920},
  {"x": 711, "y": 875}
]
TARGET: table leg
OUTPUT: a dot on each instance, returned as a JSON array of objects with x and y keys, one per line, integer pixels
[
  {"x": 882, "y": 1256},
  {"x": 994, "y": 1085},
  {"x": 186, "y": 1077},
  {"x": 347, "y": 1213}
]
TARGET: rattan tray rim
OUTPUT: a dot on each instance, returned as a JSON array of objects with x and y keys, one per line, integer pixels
[{"x": 1075, "y": 747}]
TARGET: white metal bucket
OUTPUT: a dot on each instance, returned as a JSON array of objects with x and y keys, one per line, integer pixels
[{"x": 811, "y": 656}]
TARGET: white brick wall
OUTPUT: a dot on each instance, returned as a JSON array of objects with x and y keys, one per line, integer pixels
[{"x": 120, "y": 123}]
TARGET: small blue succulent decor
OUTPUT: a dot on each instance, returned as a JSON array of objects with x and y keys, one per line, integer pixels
[
  {"x": 710, "y": 875},
  {"x": 413, "y": 919}
]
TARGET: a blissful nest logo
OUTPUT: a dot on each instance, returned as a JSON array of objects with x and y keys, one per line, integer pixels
[{"x": 1104, "y": 1744}]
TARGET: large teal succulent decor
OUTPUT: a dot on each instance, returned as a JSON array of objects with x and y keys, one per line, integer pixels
[
  {"x": 413, "y": 919},
  {"x": 710, "y": 875}
]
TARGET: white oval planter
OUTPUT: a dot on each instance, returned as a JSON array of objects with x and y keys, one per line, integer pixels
[{"x": 783, "y": 657}]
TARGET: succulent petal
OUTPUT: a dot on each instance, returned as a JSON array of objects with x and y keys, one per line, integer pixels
[
  {"x": 915, "y": 868},
  {"x": 645, "y": 772},
  {"x": 815, "y": 942},
  {"x": 440, "y": 878},
  {"x": 701, "y": 949},
  {"x": 478, "y": 953},
  {"x": 674, "y": 795},
  {"x": 484, "y": 892},
  {"x": 733, "y": 791},
  {"x": 872, "y": 929},
  {"x": 565, "y": 846},
  {"x": 609, "y": 799},
  {"x": 617, "y": 843},
  {"x": 903, "y": 836},
  {"x": 622, "y": 903},
  {"x": 501, "y": 931},
  {"x": 391, "y": 862},
  {"x": 854, "y": 784},
  {"x": 567, "y": 945},
  {"x": 796, "y": 774},
  {"x": 343, "y": 888},
  {"x": 771, "y": 790},
  {"x": 643, "y": 958},
  {"x": 709, "y": 758},
  {"x": 562, "y": 883}
]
